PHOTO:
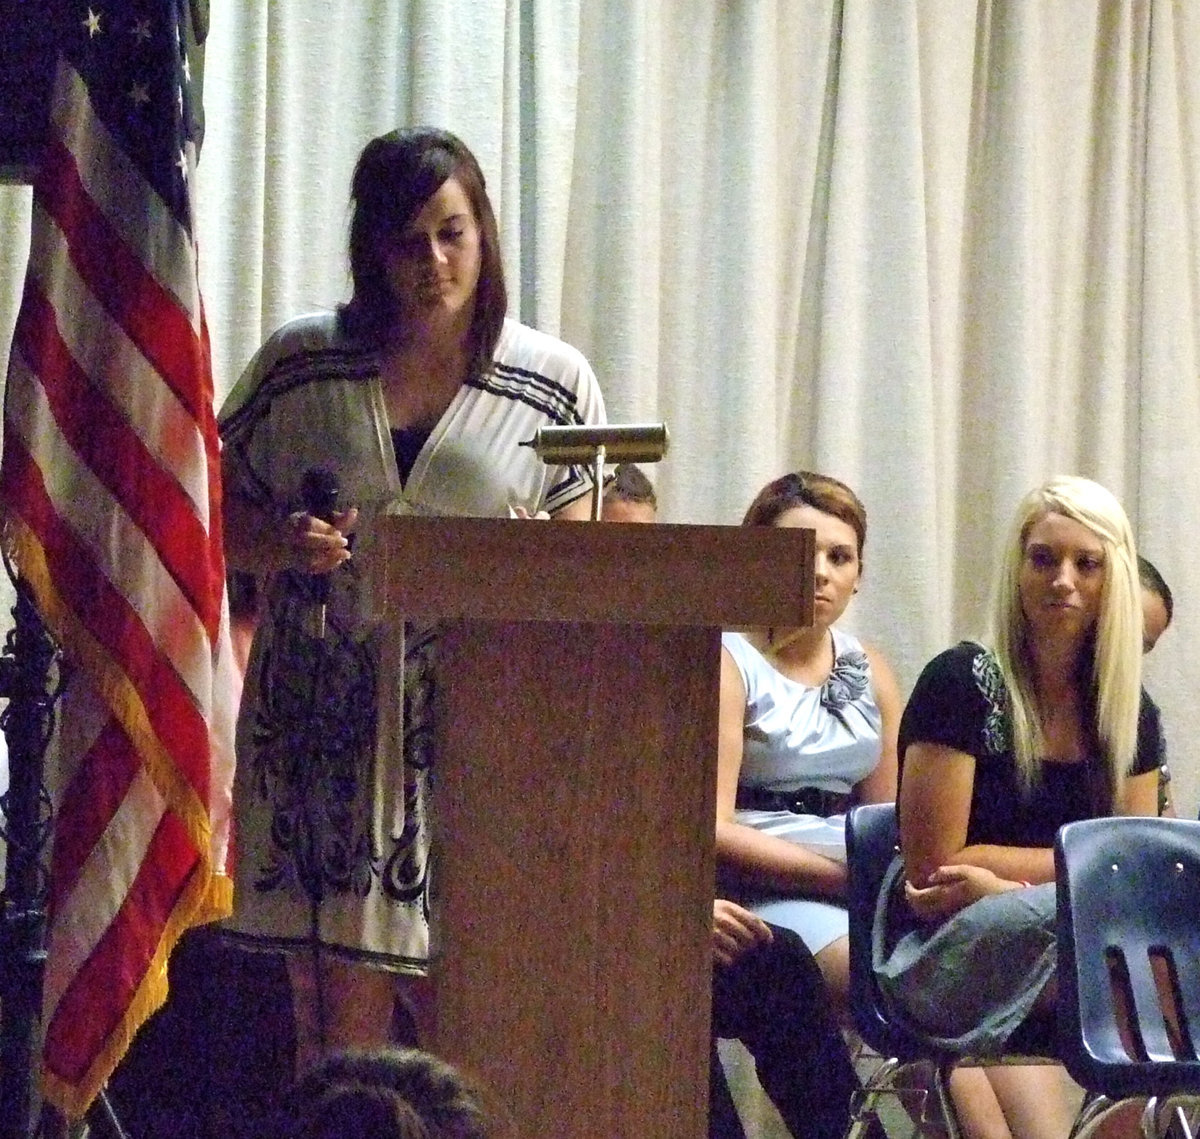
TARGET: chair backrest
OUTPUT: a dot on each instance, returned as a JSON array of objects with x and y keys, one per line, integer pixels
[
  {"x": 872, "y": 835},
  {"x": 1128, "y": 907}
]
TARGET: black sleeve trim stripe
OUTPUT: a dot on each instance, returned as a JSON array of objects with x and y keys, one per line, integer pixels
[
  {"x": 293, "y": 371},
  {"x": 511, "y": 371},
  {"x": 557, "y": 402},
  {"x": 300, "y": 368},
  {"x": 577, "y": 479}
]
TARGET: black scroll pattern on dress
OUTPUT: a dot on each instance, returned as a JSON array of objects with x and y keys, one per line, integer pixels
[
  {"x": 406, "y": 872},
  {"x": 314, "y": 742}
]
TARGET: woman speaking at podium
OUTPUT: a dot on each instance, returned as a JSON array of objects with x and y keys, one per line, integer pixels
[{"x": 410, "y": 398}]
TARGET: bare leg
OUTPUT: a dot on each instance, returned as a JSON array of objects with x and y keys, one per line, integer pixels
[
  {"x": 357, "y": 1003},
  {"x": 834, "y": 962},
  {"x": 1120, "y": 1121},
  {"x": 975, "y": 1103},
  {"x": 1039, "y": 1101},
  {"x": 417, "y": 995}
]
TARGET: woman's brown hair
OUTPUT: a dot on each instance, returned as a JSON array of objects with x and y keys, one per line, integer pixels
[
  {"x": 396, "y": 175},
  {"x": 804, "y": 488}
]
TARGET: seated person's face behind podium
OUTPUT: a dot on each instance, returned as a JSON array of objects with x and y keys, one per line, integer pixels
[
  {"x": 1158, "y": 606},
  {"x": 832, "y": 510},
  {"x": 629, "y": 497}
]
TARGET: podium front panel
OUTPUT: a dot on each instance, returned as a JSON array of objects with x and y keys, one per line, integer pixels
[
  {"x": 574, "y": 799},
  {"x": 573, "y": 810}
]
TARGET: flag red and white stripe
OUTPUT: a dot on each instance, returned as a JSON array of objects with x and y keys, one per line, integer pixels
[{"x": 110, "y": 490}]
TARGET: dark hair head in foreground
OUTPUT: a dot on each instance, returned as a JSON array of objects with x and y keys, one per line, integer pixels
[{"x": 387, "y": 1093}]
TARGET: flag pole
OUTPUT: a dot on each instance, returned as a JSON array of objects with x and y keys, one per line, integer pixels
[{"x": 30, "y": 679}]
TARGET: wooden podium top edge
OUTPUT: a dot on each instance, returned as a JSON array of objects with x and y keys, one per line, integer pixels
[{"x": 497, "y": 569}]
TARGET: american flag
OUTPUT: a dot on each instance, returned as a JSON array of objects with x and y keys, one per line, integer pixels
[{"x": 110, "y": 491}]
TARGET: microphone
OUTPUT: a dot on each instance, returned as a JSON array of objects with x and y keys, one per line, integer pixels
[{"x": 319, "y": 492}]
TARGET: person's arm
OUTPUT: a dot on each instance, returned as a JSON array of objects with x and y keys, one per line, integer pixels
[
  {"x": 934, "y": 810},
  {"x": 953, "y": 888},
  {"x": 1150, "y": 768},
  {"x": 1139, "y": 795},
  {"x": 943, "y": 874},
  {"x": 880, "y": 785},
  {"x": 934, "y": 807},
  {"x": 259, "y": 537},
  {"x": 253, "y": 543},
  {"x": 771, "y": 862}
]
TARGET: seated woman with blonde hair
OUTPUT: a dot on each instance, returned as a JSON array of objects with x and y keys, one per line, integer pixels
[{"x": 1001, "y": 744}]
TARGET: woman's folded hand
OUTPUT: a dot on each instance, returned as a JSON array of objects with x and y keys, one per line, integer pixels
[{"x": 953, "y": 888}]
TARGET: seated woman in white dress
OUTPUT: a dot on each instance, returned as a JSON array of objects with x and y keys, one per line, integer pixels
[{"x": 808, "y": 726}]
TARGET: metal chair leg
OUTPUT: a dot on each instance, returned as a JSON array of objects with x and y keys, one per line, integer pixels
[
  {"x": 914, "y": 1087},
  {"x": 109, "y": 1123},
  {"x": 1092, "y": 1108}
]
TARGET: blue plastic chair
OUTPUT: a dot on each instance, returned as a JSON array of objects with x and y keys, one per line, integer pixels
[
  {"x": 872, "y": 838},
  {"x": 1128, "y": 905}
]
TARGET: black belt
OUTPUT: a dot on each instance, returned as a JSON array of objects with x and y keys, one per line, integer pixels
[{"x": 801, "y": 801}]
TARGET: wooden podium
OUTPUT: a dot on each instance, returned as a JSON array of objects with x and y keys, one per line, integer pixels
[{"x": 574, "y": 804}]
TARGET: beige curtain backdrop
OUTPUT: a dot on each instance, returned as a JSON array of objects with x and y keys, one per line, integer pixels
[{"x": 941, "y": 249}]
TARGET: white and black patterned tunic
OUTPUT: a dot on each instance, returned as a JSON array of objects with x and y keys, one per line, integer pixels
[{"x": 334, "y": 736}]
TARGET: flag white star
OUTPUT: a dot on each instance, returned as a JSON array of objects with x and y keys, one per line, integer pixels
[
  {"x": 187, "y": 69},
  {"x": 140, "y": 94},
  {"x": 92, "y": 23},
  {"x": 181, "y": 162},
  {"x": 140, "y": 31}
]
